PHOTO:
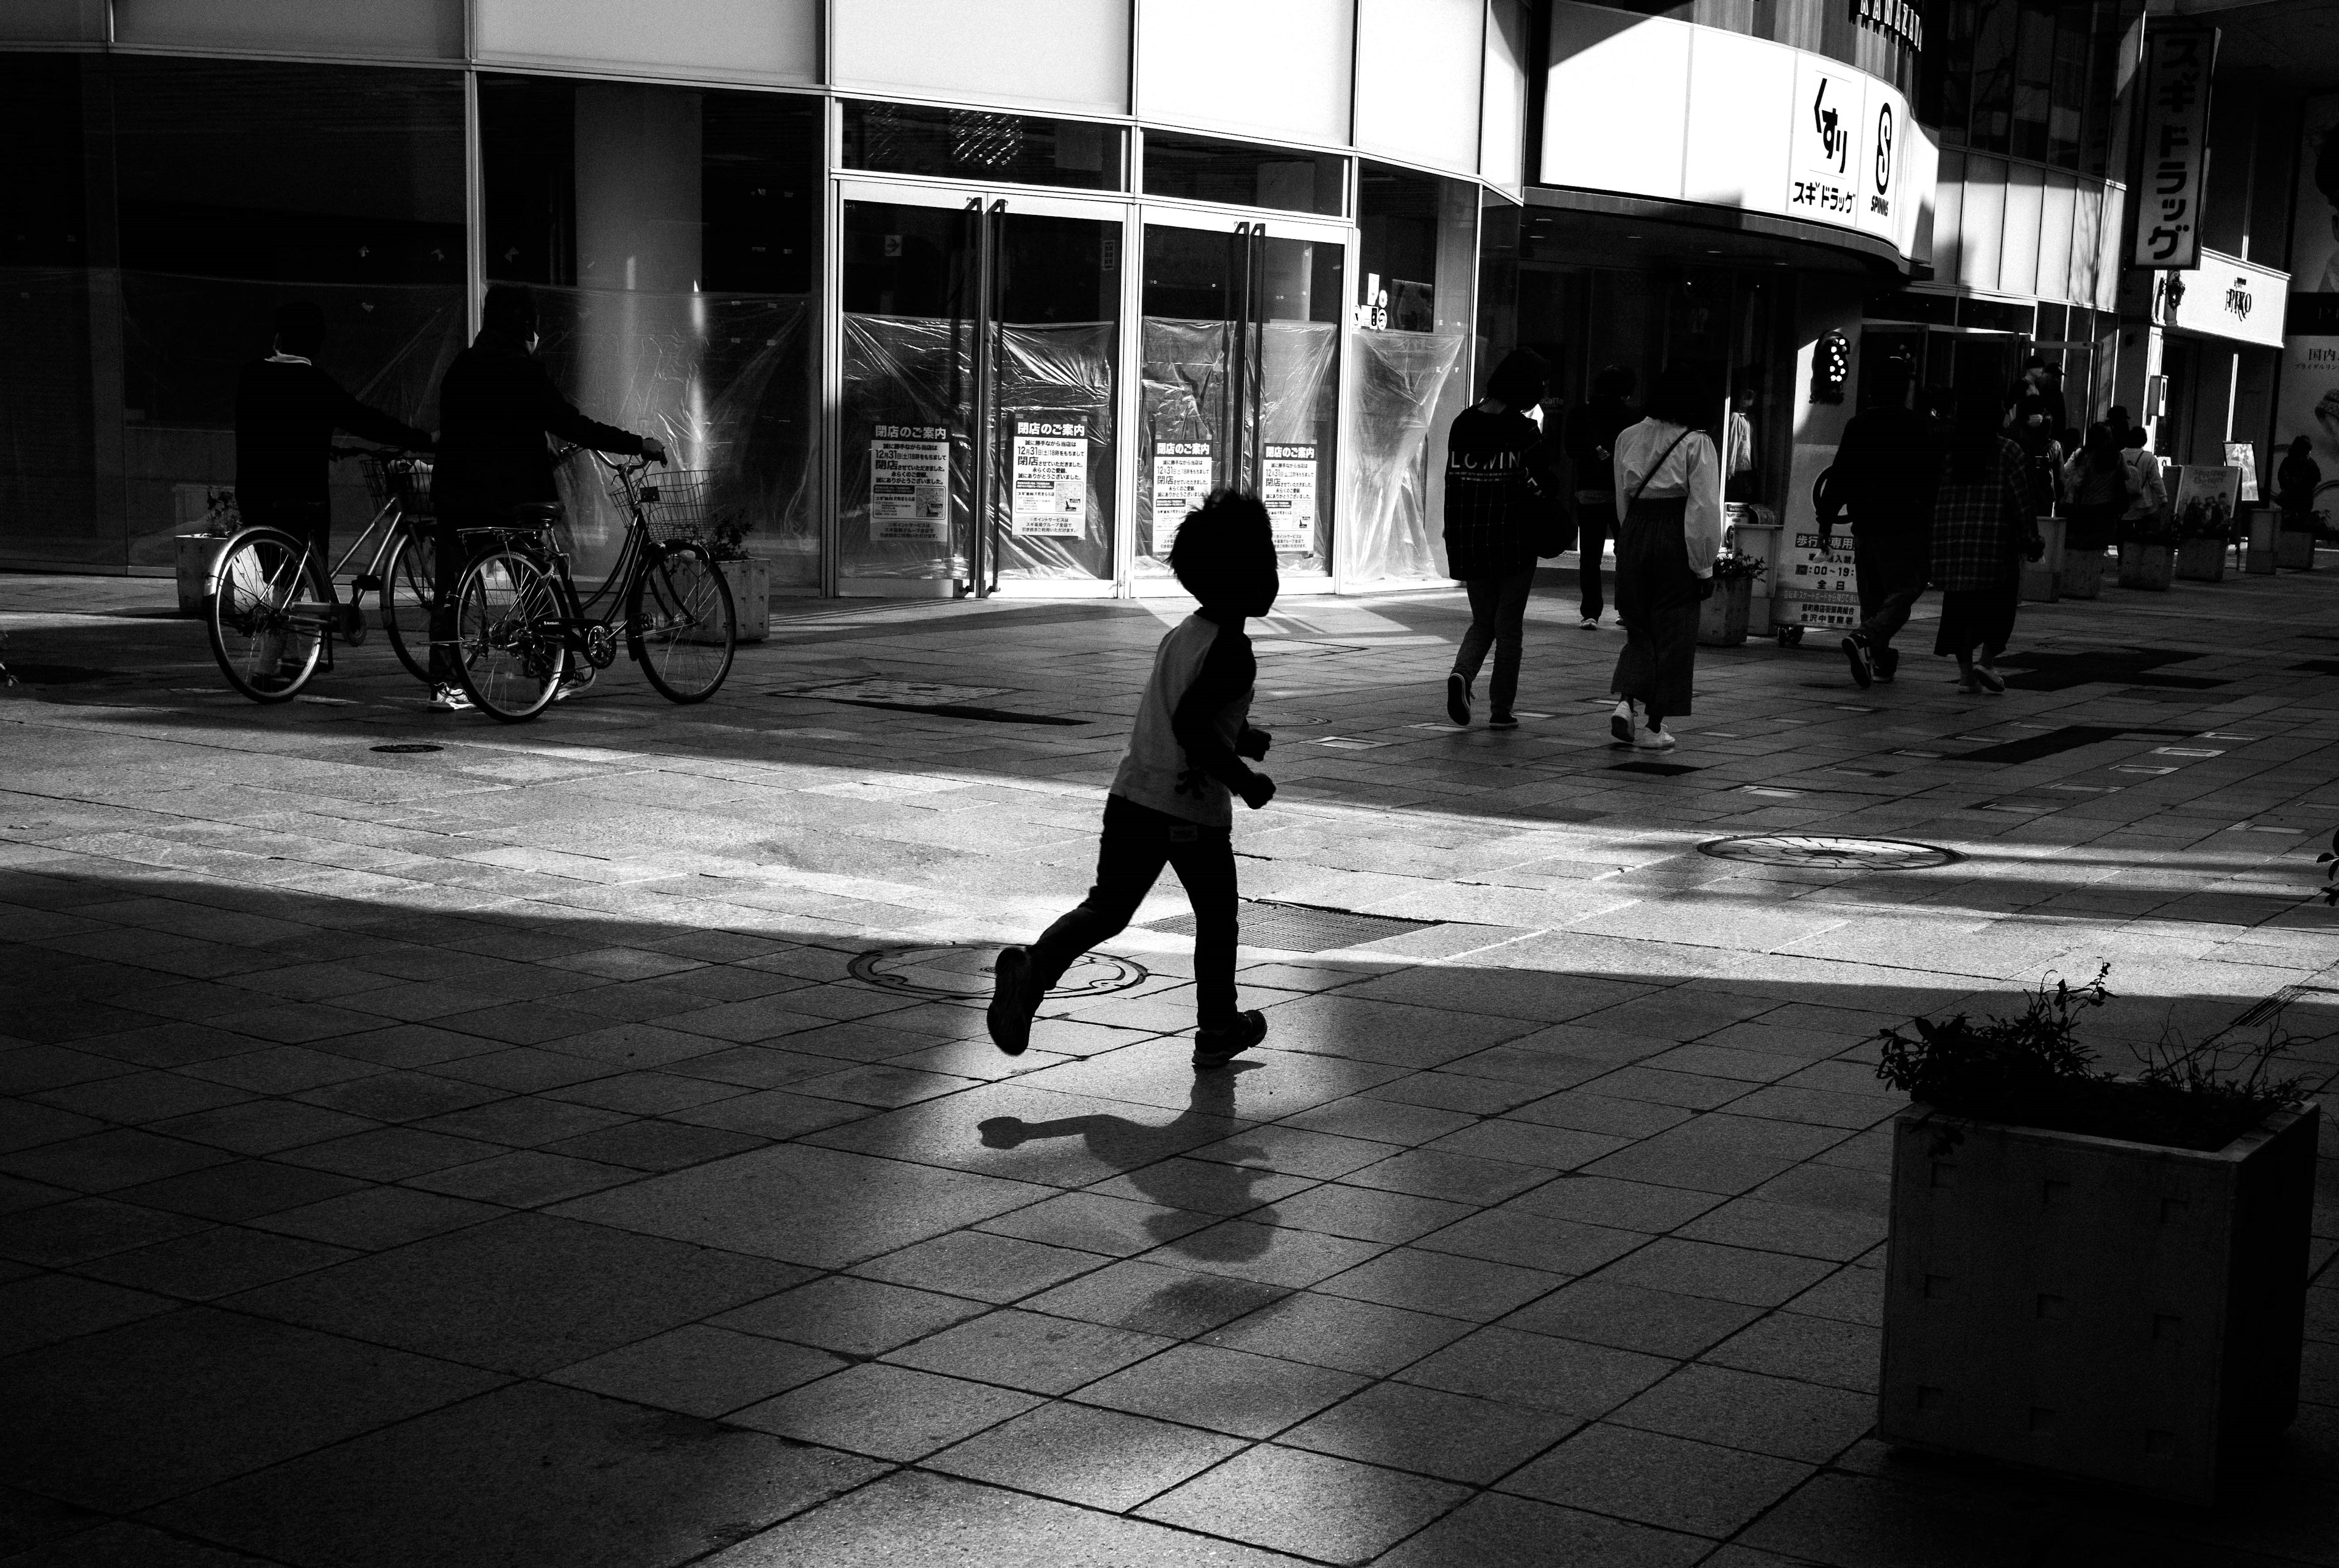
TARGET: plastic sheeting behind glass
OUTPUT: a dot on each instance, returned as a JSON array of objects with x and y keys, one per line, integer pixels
[
  {"x": 1182, "y": 408},
  {"x": 1299, "y": 415},
  {"x": 723, "y": 380},
  {"x": 1401, "y": 381},
  {"x": 908, "y": 406},
  {"x": 1048, "y": 380}
]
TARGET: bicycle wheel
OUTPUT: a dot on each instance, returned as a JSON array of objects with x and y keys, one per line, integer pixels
[
  {"x": 507, "y": 636},
  {"x": 267, "y": 615},
  {"x": 680, "y": 626},
  {"x": 406, "y": 588}
]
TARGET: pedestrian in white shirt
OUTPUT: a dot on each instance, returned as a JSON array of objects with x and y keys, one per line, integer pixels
[{"x": 1669, "y": 530}]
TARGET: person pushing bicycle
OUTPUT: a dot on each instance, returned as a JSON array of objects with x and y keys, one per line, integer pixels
[
  {"x": 286, "y": 411},
  {"x": 496, "y": 406}
]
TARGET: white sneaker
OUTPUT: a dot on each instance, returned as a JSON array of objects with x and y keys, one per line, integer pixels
[
  {"x": 449, "y": 700},
  {"x": 1648, "y": 739},
  {"x": 1589, "y": 623},
  {"x": 572, "y": 684},
  {"x": 1623, "y": 722}
]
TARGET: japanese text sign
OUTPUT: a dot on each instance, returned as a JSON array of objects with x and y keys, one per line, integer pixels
[{"x": 2175, "y": 152}]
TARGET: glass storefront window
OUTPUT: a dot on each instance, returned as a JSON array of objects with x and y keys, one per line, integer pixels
[
  {"x": 2034, "y": 79},
  {"x": 982, "y": 144},
  {"x": 673, "y": 237},
  {"x": 1417, "y": 247},
  {"x": 1201, "y": 168}
]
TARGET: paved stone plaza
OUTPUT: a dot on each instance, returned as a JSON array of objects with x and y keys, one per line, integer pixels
[{"x": 489, "y": 1155}]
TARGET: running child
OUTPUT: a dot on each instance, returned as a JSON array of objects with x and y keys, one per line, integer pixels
[{"x": 1172, "y": 801}]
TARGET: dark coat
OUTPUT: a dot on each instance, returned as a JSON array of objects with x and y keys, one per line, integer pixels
[
  {"x": 1885, "y": 469},
  {"x": 1982, "y": 519},
  {"x": 1503, "y": 503},
  {"x": 286, "y": 412},
  {"x": 496, "y": 407}
]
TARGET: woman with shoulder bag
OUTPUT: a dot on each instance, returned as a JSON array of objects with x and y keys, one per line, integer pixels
[
  {"x": 1983, "y": 528},
  {"x": 1669, "y": 531},
  {"x": 1504, "y": 508}
]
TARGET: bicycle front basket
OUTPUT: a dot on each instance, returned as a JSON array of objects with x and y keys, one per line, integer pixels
[
  {"x": 673, "y": 502},
  {"x": 405, "y": 480}
]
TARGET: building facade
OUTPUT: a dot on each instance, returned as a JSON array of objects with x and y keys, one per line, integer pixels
[{"x": 977, "y": 296}]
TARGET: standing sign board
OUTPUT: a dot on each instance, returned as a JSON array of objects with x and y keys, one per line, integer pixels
[
  {"x": 908, "y": 485},
  {"x": 1815, "y": 585},
  {"x": 1051, "y": 492},
  {"x": 1287, "y": 487},
  {"x": 1182, "y": 482},
  {"x": 2176, "y": 152},
  {"x": 2243, "y": 457}
]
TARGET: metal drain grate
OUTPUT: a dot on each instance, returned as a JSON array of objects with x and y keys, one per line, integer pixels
[
  {"x": 408, "y": 748},
  {"x": 964, "y": 973},
  {"x": 1831, "y": 854},
  {"x": 1304, "y": 927}
]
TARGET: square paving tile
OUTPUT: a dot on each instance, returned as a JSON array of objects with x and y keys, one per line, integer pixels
[
  {"x": 1811, "y": 1349},
  {"x": 995, "y": 1268},
  {"x": 1101, "y": 1458},
  {"x": 1432, "y": 1433},
  {"x": 215, "y": 1262},
  {"x": 1287, "y": 1500},
  {"x": 1336, "y": 1331},
  {"x": 855, "y": 1317},
  {"x": 1724, "y": 1273},
  {"x": 376, "y": 1218},
  {"x": 1437, "y": 1282},
  {"x": 245, "y": 1393},
  {"x": 43, "y": 1308},
  {"x": 58, "y": 1234},
  {"x": 1097, "y": 1222},
  {"x": 1748, "y": 1410},
  {"x": 1537, "y": 1370},
  {"x": 1224, "y": 1390},
  {"x": 1027, "y": 1350},
  {"x": 525, "y": 1294},
  {"x": 890, "y": 1412},
  {"x": 699, "y": 1370},
  {"x": 1493, "y": 1531},
  {"x": 1659, "y": 1480},
  {"x": 1155, "y": 1298},
  {"x": 1659, "y": 1322},
  {"x": 558, "y": 1475},
  {"x": 1534, "y": 1241}
]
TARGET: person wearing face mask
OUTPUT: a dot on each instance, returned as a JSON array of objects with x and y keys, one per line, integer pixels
[{"x": 496, "y": 407}]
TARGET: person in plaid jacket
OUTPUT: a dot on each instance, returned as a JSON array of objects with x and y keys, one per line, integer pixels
[{"x": 1982, "y": 525}]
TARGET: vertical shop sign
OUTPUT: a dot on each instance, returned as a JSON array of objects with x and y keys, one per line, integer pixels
[
  {"x": 1287, "y": 487},
  {"x": 1828, "y": 176},
  {"x": 1882, "y": 160},
  {"x": 1182, "y": 482},
  {"x": 1050, "y": 487},
  {"x": 908, "y": 485},
  {"x": 2175, "y": 147},
  {"x": 2309, "y": 398}
]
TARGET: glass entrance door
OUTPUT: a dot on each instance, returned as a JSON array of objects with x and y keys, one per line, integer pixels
[
  {"x": 981, "y": 345},
  {"x": 1240, "y": 343}
]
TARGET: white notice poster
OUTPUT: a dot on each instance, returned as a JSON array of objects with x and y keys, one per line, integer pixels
[
  {"x": 1288, "y": 487},
  {"x": 1182, "y": 482},
  {"x": 908, "y": 485},
  {"x": 1052, "y": 479}
]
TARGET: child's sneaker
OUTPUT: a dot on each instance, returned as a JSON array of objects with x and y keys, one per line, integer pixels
[
  {"x": 1218, "y": 1046},
  {"x": 1014, "y": 1004}
]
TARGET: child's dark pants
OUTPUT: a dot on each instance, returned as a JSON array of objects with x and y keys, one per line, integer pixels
[{"x": 1138, "y": 843}]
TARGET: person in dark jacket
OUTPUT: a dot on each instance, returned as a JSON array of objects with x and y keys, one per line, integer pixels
[
  {"x": 496, "y": 407},
  {"x": 1885, "y": 470},
  {"x": 286, "y": 411},
  {"x": 2298, "y": 479},
  {"x": 1591, "y": 441},
  {"x": 1502, "y": 503}
]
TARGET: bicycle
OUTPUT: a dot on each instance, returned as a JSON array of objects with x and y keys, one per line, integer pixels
[
  {"x": 272, "y": 621},
  {"x": 520, "y": 621}
]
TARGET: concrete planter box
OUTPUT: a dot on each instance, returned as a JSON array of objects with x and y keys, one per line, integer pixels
[
  {"x": 2083, "y": 574},
  {"x": 198, "y": 556},
  {"x": 2201, "y": 560},
  {"x": 2041, "y": 578},
  {"x": 2147, "y": 567},
  {"x": 2296, "y": 553},
  {"x": 1721, "y": 620},
  {"x": 2266, "y": 527},
  {"x": 2116, "y": 1312},
  {"x": 750, "y": 581}
]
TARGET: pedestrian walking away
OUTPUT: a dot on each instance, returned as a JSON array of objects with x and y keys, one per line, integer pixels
[
  {"x": 1885, "y": 470},
  {"x": 2102, "y": 487},
  {"x": 286, "y": 411},
  {"x": 1982, "y": 528},
  {"x": 1669, "y": 531},
  {"x": 1173, "y": 799},
  {"x": 1504, "y": 508},
  {"x": 497, "y": 405},
  {"x": 2149, "y": 495},
  {"x": 1593, "y": 427}
]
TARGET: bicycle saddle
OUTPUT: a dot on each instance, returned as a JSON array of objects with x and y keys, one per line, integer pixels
[{"x": 536, "y": 515}]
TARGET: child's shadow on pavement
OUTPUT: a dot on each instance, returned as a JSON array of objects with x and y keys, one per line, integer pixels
[{"x": 1144, "y": 1152}]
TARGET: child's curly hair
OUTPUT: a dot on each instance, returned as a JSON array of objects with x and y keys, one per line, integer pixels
[{"x": 1225, "y": 545}]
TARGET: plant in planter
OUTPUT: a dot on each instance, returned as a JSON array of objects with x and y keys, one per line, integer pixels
[
  {"x": 2097, "y": 1276},
  {"x": 1721, "y": 622},
  {"x": 2204, "y": 529},
  {"x": 748, "y": 577}
]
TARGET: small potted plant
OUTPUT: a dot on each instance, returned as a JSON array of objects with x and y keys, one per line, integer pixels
[
  {"x": 2147, "y": 551},
  {"x": 2097, "y": 1276},
  {"x": 2203, "y": 531},
  {"x": 1722, "y": 621},
  {"x": 199, "y": 552},
  {"x": 748, "y": 577}
]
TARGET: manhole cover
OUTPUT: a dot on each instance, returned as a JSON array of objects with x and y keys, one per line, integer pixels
[
  {"x": 1832, "y": 854},
  {"x": 964, "y": 973},
  {"x": 1305, "y": 927},
  {"x": 408, "y": 748}
]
